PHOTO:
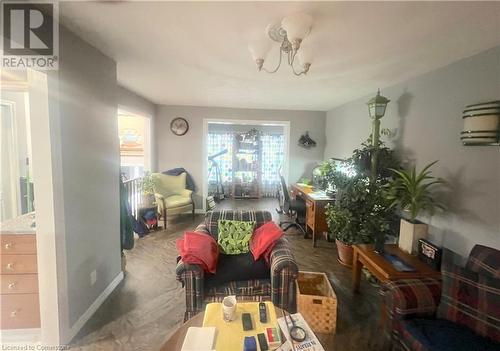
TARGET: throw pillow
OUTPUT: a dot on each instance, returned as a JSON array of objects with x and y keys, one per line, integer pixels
[
  {"x": 234, "y": 236},
  {"x": 199, "y": 248},
  {"x": 471, "y": 300},
  {"x": 264, "y": 238}
]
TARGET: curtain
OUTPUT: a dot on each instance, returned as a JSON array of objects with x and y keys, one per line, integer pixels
[
  {"x": 273, "y": 156},
  {"x": 216, "y": 143}
]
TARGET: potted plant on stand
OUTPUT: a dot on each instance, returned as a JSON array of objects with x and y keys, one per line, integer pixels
[
  {"x": 148, "y": 190},
  {"x": 413, "y": 192}
]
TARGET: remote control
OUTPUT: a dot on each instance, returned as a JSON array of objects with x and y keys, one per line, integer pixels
[
  {"x": 262, "y": 312},
  {"x": 246, "y": 319},
  {"x": 262, "y": 342}
]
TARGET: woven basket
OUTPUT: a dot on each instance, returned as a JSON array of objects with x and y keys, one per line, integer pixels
[{"x": 317, "y": 302}]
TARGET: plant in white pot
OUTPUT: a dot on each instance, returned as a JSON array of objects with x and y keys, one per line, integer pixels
[{"x": 414, "y": 193}]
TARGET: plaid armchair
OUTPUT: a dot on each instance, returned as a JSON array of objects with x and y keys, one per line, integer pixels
[
  {"x": 279, "y": 288},
  {"x": 460, "y": 313}
]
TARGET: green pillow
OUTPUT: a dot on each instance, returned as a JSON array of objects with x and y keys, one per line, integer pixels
[{"x": 234, "y": 236}]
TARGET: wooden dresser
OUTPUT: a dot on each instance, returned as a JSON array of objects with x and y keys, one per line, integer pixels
[{"x": 19, "y": 278}]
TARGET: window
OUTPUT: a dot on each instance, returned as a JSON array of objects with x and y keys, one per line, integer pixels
[{"x": 133, "y": 132}]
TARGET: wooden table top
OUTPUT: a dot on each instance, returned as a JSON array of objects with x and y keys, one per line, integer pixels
[
  {"x": 385, "y": 269},
  {"x": 306, "y": 190},
  {"x": 176, "y": 340}
]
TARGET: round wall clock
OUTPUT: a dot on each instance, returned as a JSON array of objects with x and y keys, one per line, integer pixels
[{"x": 179, "y": 126}]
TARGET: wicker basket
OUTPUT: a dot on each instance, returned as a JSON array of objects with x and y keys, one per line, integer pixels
[{"x": 317, "y": 302}]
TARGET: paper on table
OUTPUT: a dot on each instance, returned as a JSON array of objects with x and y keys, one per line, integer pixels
[
  {"x": 199, "y": 339},
  {"x": 311, "y": 343}
]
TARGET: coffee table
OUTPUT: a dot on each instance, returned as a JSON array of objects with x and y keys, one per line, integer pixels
[
  {"x": 176, "y": 340},
  {"x": 364, "y": 255}
]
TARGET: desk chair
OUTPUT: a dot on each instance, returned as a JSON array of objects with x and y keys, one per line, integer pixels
[{"x": 292, "y": 208}]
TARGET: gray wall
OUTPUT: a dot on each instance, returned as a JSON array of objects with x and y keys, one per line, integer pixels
[
  {"x": 426, "y": 111},
  {"x": 187, "y": 151},
  {"x": 83, "y": 98}
]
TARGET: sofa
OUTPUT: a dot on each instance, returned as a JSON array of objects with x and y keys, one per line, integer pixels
[
  {"x": 239, "y": 274},
  {"x": 459, "y": 312},
  {"x": 171, "y": 195}
]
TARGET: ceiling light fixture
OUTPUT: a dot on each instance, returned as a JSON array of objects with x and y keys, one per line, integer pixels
[{"x": 290, "y": 33}]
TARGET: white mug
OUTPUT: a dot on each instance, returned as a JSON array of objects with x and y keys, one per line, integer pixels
[{"x": 229, "y": 308}]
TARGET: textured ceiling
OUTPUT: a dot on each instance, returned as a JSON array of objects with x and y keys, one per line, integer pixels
[{"x": 187, "y": 53}]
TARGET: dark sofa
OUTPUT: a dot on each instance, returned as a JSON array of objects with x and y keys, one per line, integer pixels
[
  {"x": 240, "y": 275},
  {"x": 461, "y": 312}
]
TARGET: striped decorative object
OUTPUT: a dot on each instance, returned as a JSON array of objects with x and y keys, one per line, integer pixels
[{"x": 481, "y": 124}]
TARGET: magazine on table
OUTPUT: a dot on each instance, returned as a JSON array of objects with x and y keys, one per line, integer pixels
[{"x": 311, "y": 342}]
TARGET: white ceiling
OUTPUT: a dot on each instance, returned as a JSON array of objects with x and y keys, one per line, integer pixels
[{"x": 187, "y": 53}]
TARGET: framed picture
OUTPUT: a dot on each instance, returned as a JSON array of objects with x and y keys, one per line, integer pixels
[{"x": 430, "y": 254}]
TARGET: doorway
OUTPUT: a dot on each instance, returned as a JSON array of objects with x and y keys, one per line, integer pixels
[{"x": 134, "y": 132}]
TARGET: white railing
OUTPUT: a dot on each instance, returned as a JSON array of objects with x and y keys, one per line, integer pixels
[{"x": 134, "y": 193}]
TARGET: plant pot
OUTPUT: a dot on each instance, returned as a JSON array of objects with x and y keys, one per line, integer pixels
[
  {"x": 345, "y": 253},
  {"x": 409, "y": 234}
]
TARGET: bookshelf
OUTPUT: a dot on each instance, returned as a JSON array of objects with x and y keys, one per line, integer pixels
[{"x": 247, "y": 155}]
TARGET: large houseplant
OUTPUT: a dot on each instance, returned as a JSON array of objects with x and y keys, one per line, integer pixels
[
  {"x": 362, "y": 212},
  {"x": 414, "y": 193}
]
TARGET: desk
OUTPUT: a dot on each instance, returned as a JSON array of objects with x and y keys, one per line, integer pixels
[{"x": 315, "y": 210}]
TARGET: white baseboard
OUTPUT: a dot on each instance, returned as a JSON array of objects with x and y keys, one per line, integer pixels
[
  {"x": 75, "y": 328},
  {"x": 20, "y": 337}
]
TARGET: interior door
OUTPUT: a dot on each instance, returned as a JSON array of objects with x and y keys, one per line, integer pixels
[{"x": 9, "y": 170}]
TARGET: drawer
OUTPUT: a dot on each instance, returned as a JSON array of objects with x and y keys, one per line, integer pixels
[
  {"x": 18, "y": 244},
  {"x": 310, "y": 213},
  {"x": 20, "y": 311},
  {"x": 14, "y": 264},
  {"x": 19, "y": 284}
]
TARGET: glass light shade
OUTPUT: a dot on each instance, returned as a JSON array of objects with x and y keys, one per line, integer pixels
[
  {"x": 377, "y": 106},
  {"x": 304, "y": 55},
  {"x": 297, "y": 26},
  {"x": 259, "y": 48}
]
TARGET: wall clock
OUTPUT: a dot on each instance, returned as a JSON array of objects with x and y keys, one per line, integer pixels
[{"x": 179, "y": 126}]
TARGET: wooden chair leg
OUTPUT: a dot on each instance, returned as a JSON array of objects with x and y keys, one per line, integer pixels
[{"x": 165, "y": 218}]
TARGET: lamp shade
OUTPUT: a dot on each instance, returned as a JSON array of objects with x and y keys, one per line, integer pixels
[
  {"x": 259, "y": 48},
  {"x": 481, "y": 124},
  {"x": 304, "y": 55},
  {"x": 297, "y": 26},
  {"x": 377, "y": 106}
]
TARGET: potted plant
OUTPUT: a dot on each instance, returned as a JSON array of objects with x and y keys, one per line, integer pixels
[
  {"x": 362, "y": 214},
  {"x": 340, "y": 224},
  {"x": 148, "y": 189},
  {"x": 413, "y": 192}
]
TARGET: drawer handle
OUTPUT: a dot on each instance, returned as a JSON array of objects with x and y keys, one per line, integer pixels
[
  {"x": 13, "y": 314},
  {"x": 8, "y": 246},
  {"x": 10, "y": 266},
  {"x": 12, "y": 285}
]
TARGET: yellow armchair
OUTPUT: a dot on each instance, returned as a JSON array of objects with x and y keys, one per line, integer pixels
[{"x": 171, "y": 195}]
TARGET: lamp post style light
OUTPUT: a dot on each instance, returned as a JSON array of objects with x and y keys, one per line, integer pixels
[{"x": 376, "y": 109}]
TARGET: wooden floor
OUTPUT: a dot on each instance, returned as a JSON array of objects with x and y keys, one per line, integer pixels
[{"x": 148, "y": 305}]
